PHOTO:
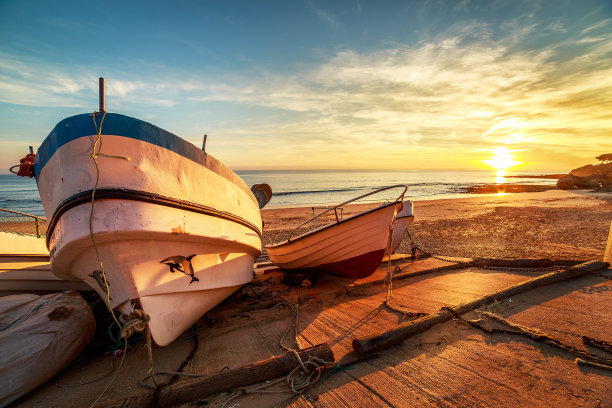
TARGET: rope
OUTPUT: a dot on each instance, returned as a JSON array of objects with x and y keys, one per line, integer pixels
[
  {"x": 176, "y": 374},
  {"x": 304, "y": 375},
  {"x": 416, "y": 247},
  {"x": 134, "y": 322},
  {"x": 94, "y": 156},
  {"x": 114, "y": 378},
  {"x": 389, "y": 283},
  {"x": 160, "y": 387},
  {"x": 103, "y": 376}
]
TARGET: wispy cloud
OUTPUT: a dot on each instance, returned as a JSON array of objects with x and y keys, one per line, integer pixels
[
  {"x": 323, "y": 14},
  {"x": 432, "y": 101},
  {"x": 26, "y": 81},
  {"x": 602, "y": 23}
]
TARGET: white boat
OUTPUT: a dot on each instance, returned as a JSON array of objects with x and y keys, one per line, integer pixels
[
  {"x": 156, "y": 224},
  {"x": 352, "y": 247},
  {"x": 401, "y": 222}
]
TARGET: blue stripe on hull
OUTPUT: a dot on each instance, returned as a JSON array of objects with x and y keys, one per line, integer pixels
[{"x": 114, "y": 124}]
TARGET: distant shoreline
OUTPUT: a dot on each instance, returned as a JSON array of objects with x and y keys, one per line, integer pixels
[
  {"x": 540, "y": 176},
  {"x": 508, "y": 188}
]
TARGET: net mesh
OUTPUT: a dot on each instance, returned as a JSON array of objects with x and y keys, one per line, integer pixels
[{"x": 22, "y": 224}]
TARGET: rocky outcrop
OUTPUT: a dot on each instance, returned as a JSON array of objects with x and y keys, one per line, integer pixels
[
  {"x": 597, "y": 176},
  {"x": 593, "y": 170}
]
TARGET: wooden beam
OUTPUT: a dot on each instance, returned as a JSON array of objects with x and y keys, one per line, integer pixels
[
  {"x": 395, "y": 336},
  {"x": 202, "y": 387}
]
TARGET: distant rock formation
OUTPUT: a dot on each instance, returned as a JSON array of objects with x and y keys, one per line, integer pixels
[{"x": 598, "y": 176}]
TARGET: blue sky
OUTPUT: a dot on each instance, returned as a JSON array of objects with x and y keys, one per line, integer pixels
[{"x": 322, "y": 84}]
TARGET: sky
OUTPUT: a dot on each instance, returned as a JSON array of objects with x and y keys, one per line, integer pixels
[{"x": 310, "y": 84}]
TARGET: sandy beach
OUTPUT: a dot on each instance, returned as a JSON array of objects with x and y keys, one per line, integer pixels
[
  {"x": 555, "y": 223},
  {"x": 559, "y": 224}
]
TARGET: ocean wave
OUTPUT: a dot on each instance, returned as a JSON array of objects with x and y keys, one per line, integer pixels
[
  {"x": 339, "y": 190},
  {"x": 21, "y": 200}
]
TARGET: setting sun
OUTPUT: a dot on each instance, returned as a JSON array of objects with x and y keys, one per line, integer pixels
[{"x": 502, "y": 159}]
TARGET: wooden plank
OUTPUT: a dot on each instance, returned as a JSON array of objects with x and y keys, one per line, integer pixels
[
  {"x": 397, "y": 335},
  {"x": 341, "y": 390}
]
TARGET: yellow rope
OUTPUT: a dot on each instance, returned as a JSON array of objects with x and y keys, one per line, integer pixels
[{"x": 94, "y": 155}]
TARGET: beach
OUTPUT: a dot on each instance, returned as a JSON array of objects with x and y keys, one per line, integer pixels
[{"x": 555, "y": 223}]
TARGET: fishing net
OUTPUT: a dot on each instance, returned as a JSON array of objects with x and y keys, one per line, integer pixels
[{"x": 22, "y": 224}]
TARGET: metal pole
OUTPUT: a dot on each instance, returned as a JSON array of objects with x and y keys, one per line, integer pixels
[{"x": 102, "y": 96}]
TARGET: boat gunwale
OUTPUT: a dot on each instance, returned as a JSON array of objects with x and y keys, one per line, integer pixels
[
  {"x": 328, "y": 226},
  {"x": 116, "y": 124},
  {"x": 88, "y": 196},
  {"x": 399, "y": 199}
]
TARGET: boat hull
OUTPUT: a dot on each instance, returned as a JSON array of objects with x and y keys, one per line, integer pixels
[
  {"x": 166, "y": 228},
  {"x": 352, "y": 248},
  {"x": 403, "y": 218}
]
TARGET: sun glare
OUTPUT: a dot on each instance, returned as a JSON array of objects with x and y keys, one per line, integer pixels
[
  {"x": 500, "y": 176},
  {"x": 502, "y": 159}
]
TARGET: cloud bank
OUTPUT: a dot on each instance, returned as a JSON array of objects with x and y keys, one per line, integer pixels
[{"x": 446, "y": 102}]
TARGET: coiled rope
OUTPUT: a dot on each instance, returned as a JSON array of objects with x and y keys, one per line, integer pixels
[
  {"x": 134, "y": 322},
  {"x": 304, "y": 375}
]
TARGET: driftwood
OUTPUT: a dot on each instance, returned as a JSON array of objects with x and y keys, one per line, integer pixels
[
  {"x": 202, "y": 387},
  {"x": 401, "y": 333}
]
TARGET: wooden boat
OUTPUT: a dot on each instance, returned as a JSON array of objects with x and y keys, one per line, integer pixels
[
  {"x": 403, "y": 218},
  {"x": 352, "y": 247},
  {"x": 145, "y": 218}
]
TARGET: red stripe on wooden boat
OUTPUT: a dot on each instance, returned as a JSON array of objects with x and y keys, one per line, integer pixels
[{"x": 357, "y": 267}]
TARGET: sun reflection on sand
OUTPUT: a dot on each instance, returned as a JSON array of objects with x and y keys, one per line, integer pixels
[
  {"x": 500, "y": 179},
  {"x": 501, "y": 160}
]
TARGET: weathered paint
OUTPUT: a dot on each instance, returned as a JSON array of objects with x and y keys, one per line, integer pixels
[
  {"x": 332, "y": 246},
  {"x": 132, "y": 236}
]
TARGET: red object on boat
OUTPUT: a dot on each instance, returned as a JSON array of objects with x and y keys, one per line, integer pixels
[{"x": 26, "y": 166}]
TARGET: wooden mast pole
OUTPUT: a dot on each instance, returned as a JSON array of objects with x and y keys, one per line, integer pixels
[{"x": 102, "y": 95}]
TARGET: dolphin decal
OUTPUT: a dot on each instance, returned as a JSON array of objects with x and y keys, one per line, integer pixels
[
  {"x": 97, "y": 275},
  {"x": 181, "y": 264}
]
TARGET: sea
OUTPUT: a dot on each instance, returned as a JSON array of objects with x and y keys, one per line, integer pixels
[{"x": 306, "y": 188}]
